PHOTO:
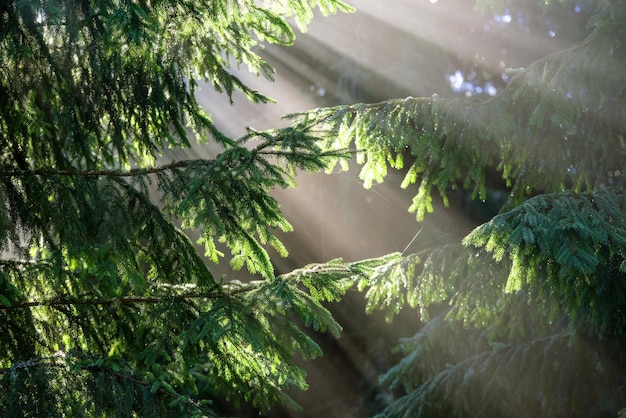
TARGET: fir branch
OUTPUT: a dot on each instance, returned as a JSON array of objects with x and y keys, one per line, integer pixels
[
  {"x": 314, "y": 155},
  {"x": 458, "y": 142}
]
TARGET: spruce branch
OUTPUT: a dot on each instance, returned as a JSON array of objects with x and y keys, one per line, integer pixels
[
  {"x": 307, "y": 153},
  {"x": 458, "y": 142}
]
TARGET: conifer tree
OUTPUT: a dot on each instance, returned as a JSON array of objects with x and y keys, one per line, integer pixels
[{"x": 107, "y": 308}]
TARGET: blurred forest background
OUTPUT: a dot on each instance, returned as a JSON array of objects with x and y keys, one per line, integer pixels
[{"x": 385, "y": 50}]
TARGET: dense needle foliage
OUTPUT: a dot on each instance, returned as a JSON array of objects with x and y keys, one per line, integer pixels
[
  {"x": 106, "y": 305},
  {"x": 108, "y": 308}
]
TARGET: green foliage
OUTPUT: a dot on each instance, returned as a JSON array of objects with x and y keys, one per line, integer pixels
[
  {"x": 570, "y": 245},
  {"x": 444, "y": 378},
  {"x": 529, "y": 312},
  {"x": 453, "y": 142},
  {"x": 112, "y": 83},
  {"x": 106, "y": 306}
]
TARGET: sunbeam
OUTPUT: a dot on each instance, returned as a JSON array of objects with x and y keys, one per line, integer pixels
[{"x": 384, "y": 50}]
